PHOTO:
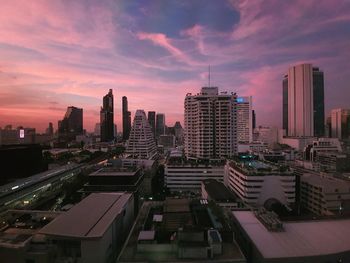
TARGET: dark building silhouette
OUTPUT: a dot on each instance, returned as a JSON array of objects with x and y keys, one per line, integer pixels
[
  {"x": 126, "y": 119},
  {"x": 71, "y": 125},
  {"x": 285, "y": 103},
  {"x": 49, "y": 130},
  {"x": 318, "y": 101},
  {"x": 319, "y": 117},
  {"x": 253, "y": 119},
  {"x": 19, "y": 161},
  {"x": 107, "y": 118},
  {"x": 160, "y": 124},
  {"x": 152, "y": 121}
]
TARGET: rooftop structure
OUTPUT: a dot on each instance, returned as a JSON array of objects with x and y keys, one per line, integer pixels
[
  {"x": 306, "y": 241},
  {"x": 180, "y": 230},
  {"x": 257, "y": 182}
]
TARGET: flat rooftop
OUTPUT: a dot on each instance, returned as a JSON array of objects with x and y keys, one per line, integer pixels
[
  {"x": 89, "y": 218},
  {"x": 299, "y": 239},
  {"x": 327, "y": 183},
  {"x": 218, "y": 191},
  {"x": 115, "y": 171}
]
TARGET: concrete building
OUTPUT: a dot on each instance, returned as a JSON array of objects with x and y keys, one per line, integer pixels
[
  {"x": 303, "y": 101},
  {"x": 107, "y": 117},
  {"x": 256, "y": 182},
  {"x": 181, "y": 230},
  {"x": 216, "y": 191},
  {"x": 321, "y": 145},
  {"x": 244, "y": 120},
  {"x": 20, "y": 135},
  {"x": 183, "y": 175},
  {"x": 126, "y": 119},
  {"x": 340, "y": 123},
  {"x": 325, "y": 195},
  {"x": 96, "y": 236},
  {"x": 71, "y": 125},
  {"x": 210, "y": 124},
  {"x": 267, "y": 135},
  {"x": 252, "y": 147},
  {"x": 167, "y": 141},
  {"x": 301, "y": 241},
  {"x": 141, "y": 143},
  {"x": 160, "y": 124},
  {"x": 151, "y": 117}
]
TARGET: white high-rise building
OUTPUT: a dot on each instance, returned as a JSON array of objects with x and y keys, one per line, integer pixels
[
  {"x": 300, "y": 101},
  {"x": 210, "y": 124},
  {"x": 244, "y": 119},
  {"x": 141, "y": 142}
]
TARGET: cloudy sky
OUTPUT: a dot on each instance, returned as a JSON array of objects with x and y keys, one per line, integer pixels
[{"x": 54, "y": 54}]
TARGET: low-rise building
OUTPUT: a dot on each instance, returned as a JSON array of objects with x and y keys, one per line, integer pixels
[
  {"x": 294, "y": 242},
  {"x": 216, "y": 191},
  {"x": 255, "y": 182},
  {"x": 325, "y": 195}
]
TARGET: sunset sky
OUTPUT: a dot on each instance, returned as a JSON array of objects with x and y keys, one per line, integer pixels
[{"x": 55, "y": 54}]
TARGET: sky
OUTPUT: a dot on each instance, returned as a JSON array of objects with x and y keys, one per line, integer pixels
[{"x": 55, "y": 54}]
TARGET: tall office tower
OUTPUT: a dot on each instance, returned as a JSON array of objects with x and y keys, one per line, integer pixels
[
  {"x": 303, "y": 101},
  {"x": 141, "y": 142},
  {"x": 210, "y": 124},
  {"x": 49, "y": 130},
  {"x": 152, "y": 121},
  {"x": 97, "y": 130},
  {"x": 253, "y": 119},
  {"x": 318, "y": 90},
  {"x": 340, "y": 123},
  {"x": 126, "y": 119},
  {"x": 107, "y": 118},
  {"x": 329, "y": 127},
  {"x": 72, "y": 124},
  {"x": 160, "y": 124},
  {"x": 285, "y": 103},
  {"x": 244, "y": 119}
]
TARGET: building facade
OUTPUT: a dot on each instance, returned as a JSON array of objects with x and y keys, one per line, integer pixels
[
  {"x": 107, "y": 118},
  {"x": 340, "y": 123},
  {"x": 141, "y": 142},
  {"x": 72, "y": 124},
  {"x": 126, "y": 119},
  {"x": 160, "y": 124},
  {"x": 244, "y": 119},
  {"x": 303, "y": 101},
  {"x": 210, "y": 124},
  {"x": 256, "y": 182}
]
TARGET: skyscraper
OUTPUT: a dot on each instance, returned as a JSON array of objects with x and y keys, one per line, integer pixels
[
  {"x": 152, "y": 121},
  {"x": 71, "y": 125},
  {"x": 210, "y": 124},
  {"x": 107, "y": 118},
  {"x": 141, "y": 142},
  {"x": 340, "y": 123},
  {"x": 244, "y": 119},
  {"x": 160, "y": 124},
  {"x": 49, "y": 130},
  {"x": 126, "y": 119},
  {"x": 303, "y": 101}
]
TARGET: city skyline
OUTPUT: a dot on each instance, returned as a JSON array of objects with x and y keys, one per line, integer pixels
[{"x": 56, "y": 60}]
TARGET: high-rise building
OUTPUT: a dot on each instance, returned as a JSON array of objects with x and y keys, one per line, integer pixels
[
  {"x": 107, "y": 118},
  {"x": 71, "y": 125},
  {"x": 49, "y": 130},
  {"x": 303, "y": 101},
  {"x": 254, "y": 119},
  {"x": 152, "y": 121},
  {"x": 141, "y": 142},
  {"x": 210, "y": 124},
  {"x": 126, "y": 119},
  {"x": 97, "y": 130},
  {"x": 160, "y": 124},
  {"x": 340, "y": 123},
  {"x": 244, "y": 119}
]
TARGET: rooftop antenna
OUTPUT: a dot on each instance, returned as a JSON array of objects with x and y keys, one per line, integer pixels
[{"x": 209, "y": 77}]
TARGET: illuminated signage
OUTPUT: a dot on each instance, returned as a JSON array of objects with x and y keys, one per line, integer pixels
[
  {"x": 21, "y": 133},
  {"x": 240, "y": 100}
]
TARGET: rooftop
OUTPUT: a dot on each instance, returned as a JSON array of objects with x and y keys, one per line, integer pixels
[
  {"x": 299, "y": 239},
  {"x": 328, "y": 183},
  {"x": 106, "y": 207},
  {"x": 218, "y": 191},
  {"x": 115, "y": 171}
]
